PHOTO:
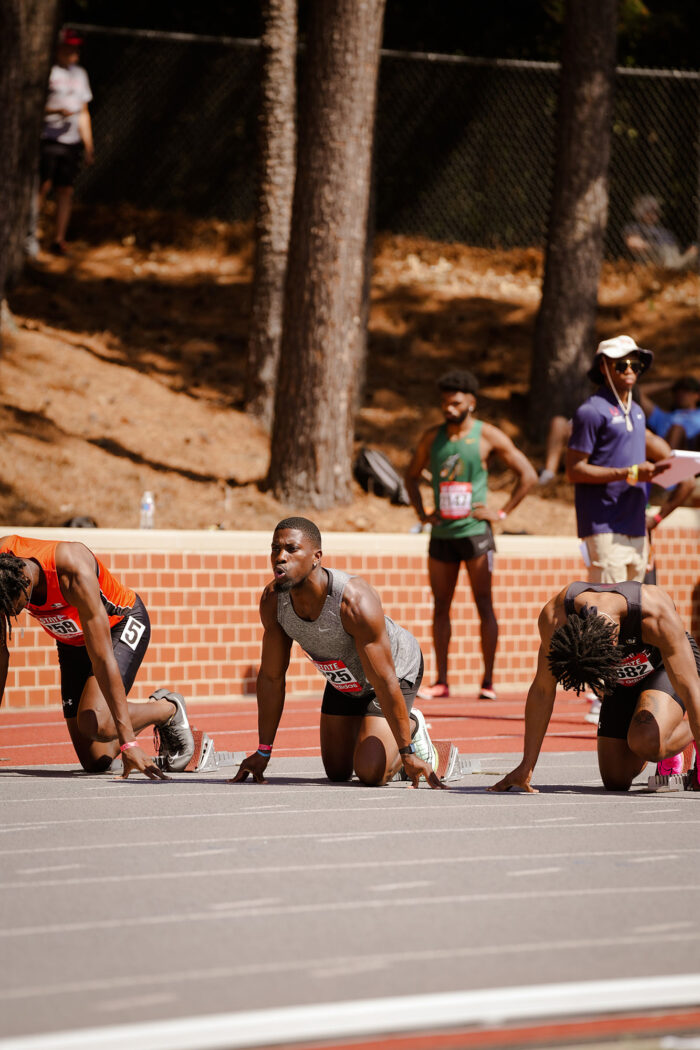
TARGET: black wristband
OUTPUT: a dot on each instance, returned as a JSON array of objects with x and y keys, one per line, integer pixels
[{"x": 410, "y": 749}]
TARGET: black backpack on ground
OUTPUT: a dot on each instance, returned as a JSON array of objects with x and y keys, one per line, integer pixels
[{"x": 374, "y": 472}]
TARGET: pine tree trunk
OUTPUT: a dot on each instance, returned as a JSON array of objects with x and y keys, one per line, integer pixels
[
  {"x": 566, "y": 322},
  {"x": 323, "y": 340},
  {"x": 277, "y": 141}
]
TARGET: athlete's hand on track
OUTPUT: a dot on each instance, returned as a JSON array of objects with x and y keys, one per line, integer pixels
[
  {"x": 254, "y": 765},
  {"x": 136, "y": 761},
  {"x": 416, "y": 768},
  {"x": 519, "y": 777}
]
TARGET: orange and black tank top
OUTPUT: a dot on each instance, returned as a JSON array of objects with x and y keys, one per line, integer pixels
[{"x": 56, "y": 616}]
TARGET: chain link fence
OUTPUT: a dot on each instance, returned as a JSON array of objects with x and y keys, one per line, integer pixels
[{"x": 464, "y": 147}]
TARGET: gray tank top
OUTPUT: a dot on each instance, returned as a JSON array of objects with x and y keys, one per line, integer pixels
[{"x": 332, "y": 650}]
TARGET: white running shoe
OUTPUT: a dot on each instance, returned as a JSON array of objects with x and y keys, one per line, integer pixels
[{"x": 425, "y": 748}]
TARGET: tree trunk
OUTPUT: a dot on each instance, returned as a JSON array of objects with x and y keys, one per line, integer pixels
[
  {"x": 27, "y": 39},
  {"x": 322, "y": 341},
  {"x": 565, "y": 328},
  {"x": 277, "y": 141}
]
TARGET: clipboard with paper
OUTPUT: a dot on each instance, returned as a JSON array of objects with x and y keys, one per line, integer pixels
[{"x": 681, "y": 464}]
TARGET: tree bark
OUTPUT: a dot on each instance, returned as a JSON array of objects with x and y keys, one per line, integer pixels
[
  {"x": 566, "y": 321},
  {"x": 322, "y": 341},
  {"x": 27, "y": 39},
  {"x": 277, "y": 142}
]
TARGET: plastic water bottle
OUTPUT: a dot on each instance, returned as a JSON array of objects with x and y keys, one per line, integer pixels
[{"x": 147, "y": 510}]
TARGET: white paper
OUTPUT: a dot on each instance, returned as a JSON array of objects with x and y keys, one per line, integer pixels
[{"x": 680, "y": 465}]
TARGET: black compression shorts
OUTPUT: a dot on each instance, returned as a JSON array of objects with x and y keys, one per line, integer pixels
[{"x": 130, "y": 638}]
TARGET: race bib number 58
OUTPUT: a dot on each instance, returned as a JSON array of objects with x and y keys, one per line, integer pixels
[{"x": 338, "y": 675}]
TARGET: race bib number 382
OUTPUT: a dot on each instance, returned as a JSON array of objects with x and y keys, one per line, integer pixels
[{"x": 338, "y": 675}]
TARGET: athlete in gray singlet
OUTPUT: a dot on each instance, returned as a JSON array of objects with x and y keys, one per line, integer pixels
[{"x": 372, "y": 666}]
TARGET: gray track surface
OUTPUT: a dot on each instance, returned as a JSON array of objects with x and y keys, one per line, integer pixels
[{"x": 136, "y": 901}]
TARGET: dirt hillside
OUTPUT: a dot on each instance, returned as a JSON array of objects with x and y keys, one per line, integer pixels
[{"x": 125, "y": 371}]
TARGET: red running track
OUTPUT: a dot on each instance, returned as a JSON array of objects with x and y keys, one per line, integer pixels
[{"x": 38, "y": 737}]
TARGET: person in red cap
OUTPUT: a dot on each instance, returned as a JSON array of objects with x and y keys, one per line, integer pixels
[{"x": 66, "y": 138}]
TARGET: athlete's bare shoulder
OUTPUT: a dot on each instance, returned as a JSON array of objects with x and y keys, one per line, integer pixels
[{"x": 360, "y": 602}]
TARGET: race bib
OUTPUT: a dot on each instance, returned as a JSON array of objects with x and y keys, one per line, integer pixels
[
  {"x": 634, "y": 668},
  {"x": 455, "y": 499},
  {"x": 60, "y": 627},
  {"x": 132, "y": 632},
  {"x": 338, "y": 675}
]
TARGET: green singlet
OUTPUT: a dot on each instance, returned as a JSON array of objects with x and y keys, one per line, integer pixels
[{"x": 459, "y": 481}]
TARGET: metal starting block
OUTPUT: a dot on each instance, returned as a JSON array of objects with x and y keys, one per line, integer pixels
[
  {"x": 673, "y": 782},
  {"x": 451, "y": 765},
  {"x": 206, "y": 758}
]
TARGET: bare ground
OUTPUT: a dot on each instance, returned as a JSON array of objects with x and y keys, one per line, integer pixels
[{"x": 125, "y": 371}]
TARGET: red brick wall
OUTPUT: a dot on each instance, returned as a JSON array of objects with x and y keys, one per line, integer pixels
[{"x": 202, "y": 592}]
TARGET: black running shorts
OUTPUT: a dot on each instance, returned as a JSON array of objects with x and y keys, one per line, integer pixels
[
  {"x": 459, "y": 550},
  {"x": 130, "y": 638},
  {"x": 59, "y": 162},
  {"x": 337, "y": 703}
]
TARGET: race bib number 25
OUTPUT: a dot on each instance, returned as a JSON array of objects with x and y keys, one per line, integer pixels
[{"x": 338, "y": 675}]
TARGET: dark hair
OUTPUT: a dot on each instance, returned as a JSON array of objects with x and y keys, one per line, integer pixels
[
  {"x": 687, "y": 383},
  {"x": 13, "y": 583},
  {"x": 304, "y": 526},
  {"x": 583, "y": 652},
  {"x": 462, "y": 382}
]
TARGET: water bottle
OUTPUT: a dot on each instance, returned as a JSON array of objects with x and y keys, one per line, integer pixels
[{"x": 147, "y": 510}]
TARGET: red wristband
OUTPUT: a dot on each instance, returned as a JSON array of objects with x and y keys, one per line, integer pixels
[
  {"x": 128, "y": 744},
  {"x": 501, "y": 515},
  {"x": 657, "y": 518}
]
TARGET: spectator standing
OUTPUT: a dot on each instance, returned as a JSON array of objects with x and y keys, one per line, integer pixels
[
  {"x": 607, "y": 459},
  {"x": 66, "y": 138},
  {"x": 456, "y": 454}
]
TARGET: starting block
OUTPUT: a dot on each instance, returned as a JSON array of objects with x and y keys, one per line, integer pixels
[
  {"x": 451, "y": 765},
  {"x": 674, "y": 782},
  {"x": 206, "y": 758}
]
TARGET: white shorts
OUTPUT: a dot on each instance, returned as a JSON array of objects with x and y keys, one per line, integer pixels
[{"x": 614, "y": 557}]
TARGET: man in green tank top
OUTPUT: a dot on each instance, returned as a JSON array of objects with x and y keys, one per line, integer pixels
[{"x": 456, "y": 453}]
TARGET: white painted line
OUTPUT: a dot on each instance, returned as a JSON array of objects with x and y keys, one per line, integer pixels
[
  {"x": 533, "y": 871},
  {"x": 398, "y": 1014},
  {"x": 653, "y": 860},
  {"x": 389, "y": 887},
  {"x": 335, "y": 907},
  {"x": 135, "y": 1001},
  {"x": 39, "y": 871},
  {"x": 663, "y": 927}
]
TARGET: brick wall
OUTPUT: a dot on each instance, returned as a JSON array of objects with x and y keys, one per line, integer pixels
[{"x": 202, "y": 592}]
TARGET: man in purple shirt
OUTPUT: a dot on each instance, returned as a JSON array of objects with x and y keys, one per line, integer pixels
[{"x": 609, "y": 460}]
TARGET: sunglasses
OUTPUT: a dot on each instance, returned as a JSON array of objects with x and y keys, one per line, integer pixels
[{"x": 622, "y": 366}]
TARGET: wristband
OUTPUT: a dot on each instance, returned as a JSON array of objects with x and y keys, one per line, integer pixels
[
  {"x": 128, "y": 744},
  {"x": 265, "y": 750},
  {"x": 501, "y": 515},
  {"x": 633, "y": 474},
  {"x": 657, "y": 519},
  {"x": 410, "y": 749}
]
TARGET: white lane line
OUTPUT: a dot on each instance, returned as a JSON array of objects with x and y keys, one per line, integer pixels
[
  {"x": 232, "y": 845},
  {"x": 54, "y": 867},
  {"x": 389, "y": 887},
  {"x": 533, "y": 871},
  {"x": 400, "y": 800},
  {"x": 108, "y": 1005},
  {"x": 379, "y": 1016},
  {"x": 549, "y": 820},
  {"x": 335, "y": 907},
  {"x": 663, "y": 927},
  {"x": 653, "y": 860},
  {"x": 259, "y": 902}
]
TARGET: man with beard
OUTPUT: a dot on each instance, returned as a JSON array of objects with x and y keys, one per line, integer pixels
[
  {"x": 372, "y": 667},
  {"x": 456, "y": 455}
]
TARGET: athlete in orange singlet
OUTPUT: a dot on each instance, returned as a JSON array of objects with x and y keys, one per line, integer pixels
[{"x": 102, "y": 632}]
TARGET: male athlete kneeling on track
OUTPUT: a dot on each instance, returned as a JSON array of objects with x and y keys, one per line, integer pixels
[
  {"x": 373, "y": 667},
  {"x": 632, "y": 650},
  {"x": 102, "y": 632}
]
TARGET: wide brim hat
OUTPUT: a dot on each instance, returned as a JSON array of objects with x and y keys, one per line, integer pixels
[{"x": 619, "y": 346}]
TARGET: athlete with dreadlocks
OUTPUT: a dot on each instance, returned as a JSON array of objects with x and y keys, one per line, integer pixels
[
  {"x": 626, "y": 642},
  {"x": 102, "y": 630}
]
